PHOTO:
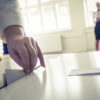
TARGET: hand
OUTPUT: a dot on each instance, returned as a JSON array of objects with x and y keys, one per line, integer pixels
[{"x": 24, "y": 50}]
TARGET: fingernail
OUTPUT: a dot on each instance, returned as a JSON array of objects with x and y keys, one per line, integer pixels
[
  {"x": 31, "y": 70},
  {"x": 44, "y": 65},
  {"x": 26, "y": 71}
]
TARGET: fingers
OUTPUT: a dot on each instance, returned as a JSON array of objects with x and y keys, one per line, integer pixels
[
  {"x": 21, "y": 57},
  {"x": 24, "y": 55},
  {"x": 34, "y": 44},
  {"x": 25, "y": 52},
  {"x": 15, "y": 56},
  {"x": 40, "y": 55},
  {"x": 32, "y": 53}
]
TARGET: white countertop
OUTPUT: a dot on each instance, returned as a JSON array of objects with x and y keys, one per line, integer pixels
[{"x": 54, "y": 82}]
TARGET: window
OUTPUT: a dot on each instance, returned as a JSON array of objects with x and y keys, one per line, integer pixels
[
  {"x": 89, "y": 8},
  {"x": 41, "y": 16}
]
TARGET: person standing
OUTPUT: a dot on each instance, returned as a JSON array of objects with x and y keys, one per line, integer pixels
[{"x": 96, "y": 18}]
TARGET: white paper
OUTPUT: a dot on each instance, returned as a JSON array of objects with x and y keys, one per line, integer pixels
[
  {"x": 84, "y": 71},
  {"x": 13, "y": 75}
]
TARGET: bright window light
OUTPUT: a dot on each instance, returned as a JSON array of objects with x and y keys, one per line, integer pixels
[
  {"x": 89, "y": 8},
  {"x": 44, "y": 1},
  {"x": 48, "y": 18},
  {"x": 44, "y": 16},
  {"x": 63, "y": 15}
]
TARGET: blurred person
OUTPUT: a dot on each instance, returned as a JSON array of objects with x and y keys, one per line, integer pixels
[{"x": 96, "y": 17}]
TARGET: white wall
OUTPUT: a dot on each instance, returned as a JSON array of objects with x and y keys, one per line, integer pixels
[{"x": 80, "y": 38}]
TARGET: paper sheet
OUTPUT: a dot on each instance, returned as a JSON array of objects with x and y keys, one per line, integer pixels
[
  {"x": 84, "y": 72},
  {"x": 13, "y": 75}
]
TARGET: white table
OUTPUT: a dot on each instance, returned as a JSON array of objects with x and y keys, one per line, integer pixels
[{"x": 54, "y": 84}]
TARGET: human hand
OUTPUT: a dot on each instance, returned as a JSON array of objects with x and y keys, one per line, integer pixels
[{"x": 24, "y": 50}]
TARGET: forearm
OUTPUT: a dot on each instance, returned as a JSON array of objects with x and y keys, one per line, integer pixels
[{"x": 10, "y": 16}]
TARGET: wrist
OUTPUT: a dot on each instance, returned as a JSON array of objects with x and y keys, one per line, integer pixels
[{"x": 12, "y": 32}]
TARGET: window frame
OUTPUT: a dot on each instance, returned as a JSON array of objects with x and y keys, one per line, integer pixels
[{"x": 53, "y": 3}]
